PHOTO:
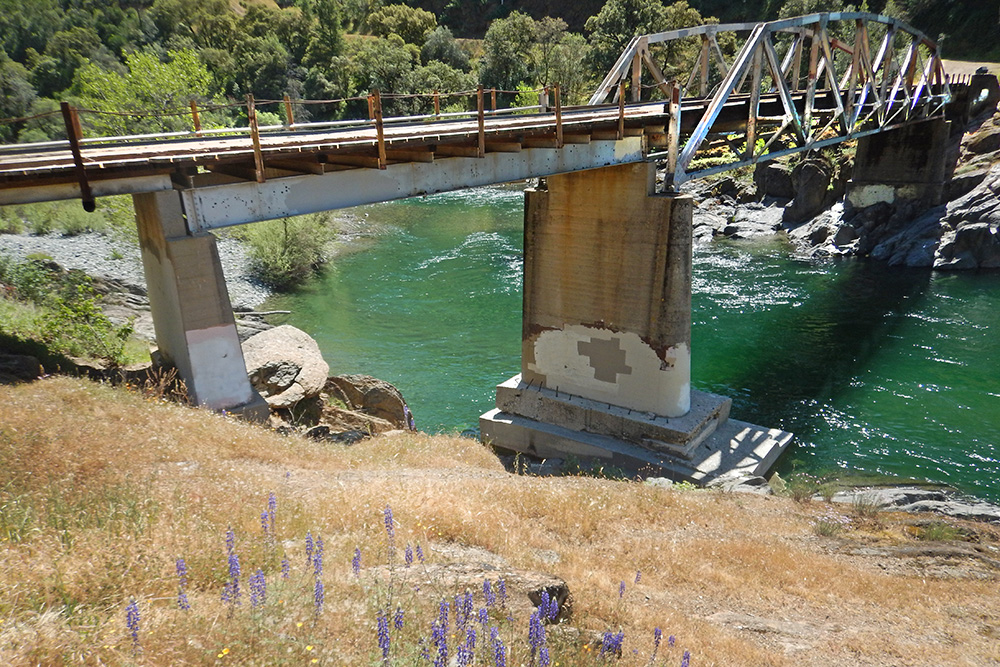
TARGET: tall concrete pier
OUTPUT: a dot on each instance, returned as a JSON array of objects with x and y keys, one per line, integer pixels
[
  {"x": 192, "y": 313},
  {"x": 606, "y": 337}
]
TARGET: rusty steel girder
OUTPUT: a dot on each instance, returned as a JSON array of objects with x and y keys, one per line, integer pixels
[{"x": 762, "y": 105}]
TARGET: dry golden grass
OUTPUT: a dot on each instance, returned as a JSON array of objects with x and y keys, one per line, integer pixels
[{"x": 101, "y": 490}]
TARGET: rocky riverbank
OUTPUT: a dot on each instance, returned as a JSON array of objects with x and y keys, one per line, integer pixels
[{"x": 805, "y": 202}]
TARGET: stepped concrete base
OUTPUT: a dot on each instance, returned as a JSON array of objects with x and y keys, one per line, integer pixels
[
  {"x": 678, "y": 436},
  {"x": 732, "y": 447}
]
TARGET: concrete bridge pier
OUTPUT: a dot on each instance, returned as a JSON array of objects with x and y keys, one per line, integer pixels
[
  {"x": 907, "y": 165},
  {"x": 192, "y": 313},
  {"x": 606, "y": 337}
]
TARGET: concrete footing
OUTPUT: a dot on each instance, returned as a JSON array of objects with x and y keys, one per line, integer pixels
[{"x": 730, "y": 447}]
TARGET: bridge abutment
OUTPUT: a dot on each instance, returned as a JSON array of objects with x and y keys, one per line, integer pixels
[
  {"x": 606, "y": 337},
  {"x": 909, "y": 164},
  {"x": 192, "y": 313}
]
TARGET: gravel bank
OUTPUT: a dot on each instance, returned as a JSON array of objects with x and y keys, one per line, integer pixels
[{"x": 105, "y": 257}]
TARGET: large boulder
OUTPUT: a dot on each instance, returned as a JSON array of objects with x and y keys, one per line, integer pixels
[
  {"x": 811, "y": 180},
  {"x": 773, "y": 179},
  {"x": 378, "y": 398},
  {"x": 285, "y": 365}
]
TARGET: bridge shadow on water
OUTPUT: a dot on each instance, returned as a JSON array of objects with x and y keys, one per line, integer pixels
[{"x": 797, "y": 356}]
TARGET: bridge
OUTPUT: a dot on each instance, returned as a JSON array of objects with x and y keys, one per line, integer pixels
[{"x": 607, "y": 284}]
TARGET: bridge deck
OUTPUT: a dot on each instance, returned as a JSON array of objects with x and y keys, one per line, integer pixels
[{"x": 40, "y": 166}]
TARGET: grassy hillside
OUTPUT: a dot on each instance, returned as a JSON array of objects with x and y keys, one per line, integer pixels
[{"x": 102, "y": 491}]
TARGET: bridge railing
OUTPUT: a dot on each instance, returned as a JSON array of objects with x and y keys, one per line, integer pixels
[
  {"x": 76, "y": 125},
  {"x": 804, "y": 82}
]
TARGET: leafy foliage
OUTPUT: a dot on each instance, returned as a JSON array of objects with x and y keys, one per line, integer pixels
[
  {"x": 285, "y": 252},
  {"x": 149, "y": 84},
  {"x": 68, "y": 318}
]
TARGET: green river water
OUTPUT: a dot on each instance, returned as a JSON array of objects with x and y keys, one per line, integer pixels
[{"x": 877, "y": 371}]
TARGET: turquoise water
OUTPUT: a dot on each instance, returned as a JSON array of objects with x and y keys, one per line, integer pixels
[{"x": 876, "y": 371}]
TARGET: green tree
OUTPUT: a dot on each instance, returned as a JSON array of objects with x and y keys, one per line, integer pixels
[
  {"x": 439, "y": 76},
  {"x": 16, "y": 96},
  {"x": 567, "y": 66},
  {"x": 260, "y": 66},
  {"x": 149, "y": 85},
  {"x": 386, "y": 64},
  {"x": 28, "y": 24},
  {"x": 507, "y": 53},
  {"x": 412, "y": 24},
  {"x": 441, "y": 45},
  {"x": 67, "y": 51},
  {"x": 620, "y": 20},
  {"x": 617, "y": 23},
  {"x": 208, "y": 23}
]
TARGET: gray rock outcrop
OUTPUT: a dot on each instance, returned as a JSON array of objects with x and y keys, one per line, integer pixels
[
  {"x": 285, "y": 365},
  {"x": 910, "y": 499}
]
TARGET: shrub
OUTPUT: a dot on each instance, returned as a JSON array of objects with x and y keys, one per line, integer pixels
[
  {"x": 69, "y": 319},
  {"x": 830, "y": 524},
  {"x": 939, "y": 531},
  {"x": 285, "y": 252}
]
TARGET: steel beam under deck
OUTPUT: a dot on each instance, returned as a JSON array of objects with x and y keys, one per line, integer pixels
[{"x": 216, "y": 206}]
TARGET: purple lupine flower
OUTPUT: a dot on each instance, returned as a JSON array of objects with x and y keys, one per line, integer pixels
[
  {"x": 286, "y": 567},
  {"x": 397, "y": 621},
  {"x": 657, "y": 636},
  {"x": 182, "y": 582},
  {"x": 536, "y": 633},
  {"x": 263, "y": 524},
  {"x": 671, "y": 640},
  {"x": 425, "y": 652},
  {"x": 318, "y": 557},
  {"x": 544, "y": 604},
  {"x": 686, "y": 659},
  {"x": 230, "y": 542},
  {"x": 439, "y": 637},
  {"x": 502, "y": 592},
  {"x": 383, "y": 635},
  {"x": 484, "y": 616},
  {"x": 356, "y": 562},
  {"x": 468, "y": 607},
  {"x": 390, "y": 528},
  {"x": 410, "y": 422},
  {"x": 611, "y": 644},
  {"x": 467, "y": 651},
  {"x": 488, "y": 593},
  {"x": 553, "y": 610},
  {"x": 543, "y": 657},
  {"x": 420, "y": 554},
  {"x": 132, "y": 623},
  {"x": 463, "y": 656},
  {"x": 318, "y": 595},
  {"x": 309, "y": 548},
  {"x": 231, "y": 591},
  {"x": 408, "y": 555},
  {"x": 272, "y": 509},
  {"x": 621, "y": 590},
  {"x": 638, "y": 575},
  {"x": 499, "y": 650},
  {"x": 258, "y": 589},
  {"x": 443, "y": 614}
]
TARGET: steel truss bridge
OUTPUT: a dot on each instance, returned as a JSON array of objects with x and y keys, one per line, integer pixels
[{"x": 752, "y": 92}]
